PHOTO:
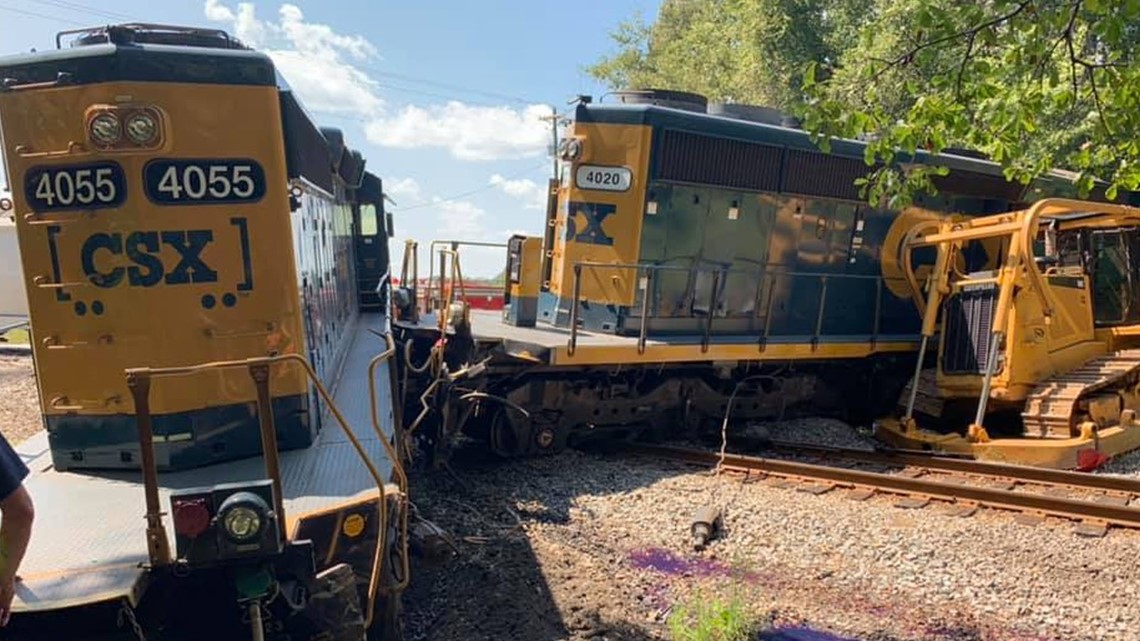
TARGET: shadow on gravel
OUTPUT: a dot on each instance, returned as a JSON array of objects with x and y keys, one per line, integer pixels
[{"x": 495, "y": 586}]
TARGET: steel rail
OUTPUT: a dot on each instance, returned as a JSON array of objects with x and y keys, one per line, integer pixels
[
  {"x": 1019, "y": 473},
  {"x": 1085, "y": 511}
]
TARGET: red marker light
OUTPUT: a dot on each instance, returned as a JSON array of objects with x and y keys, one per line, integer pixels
[{"x": 191, "y": 518}]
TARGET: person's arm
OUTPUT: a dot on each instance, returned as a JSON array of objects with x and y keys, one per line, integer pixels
[
  {"x": 17, "y": 513},
  {"x": 16, "y": 516}
]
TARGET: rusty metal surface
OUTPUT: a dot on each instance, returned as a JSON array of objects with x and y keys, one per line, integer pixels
[
  {"x": 1051, "y": 406},
  {"x": 912, "y": 488}
]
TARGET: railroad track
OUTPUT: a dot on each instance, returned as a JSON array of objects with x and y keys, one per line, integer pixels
[{"x": 964, "y": 485}]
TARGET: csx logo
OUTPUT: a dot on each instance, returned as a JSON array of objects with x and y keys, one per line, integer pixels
[
  {"x": 144, "y": 250},
  {"x": 593, "y": 214}
]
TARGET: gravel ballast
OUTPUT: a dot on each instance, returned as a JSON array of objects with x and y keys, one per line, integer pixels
[
  {"x": 610, "y": 539},
  {"x": 19, "y": 399}
]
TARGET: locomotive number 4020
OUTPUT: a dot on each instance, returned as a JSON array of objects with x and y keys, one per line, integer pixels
[
  {"x": 598, "y": 177},
  {"x": 197, "y": 182}
]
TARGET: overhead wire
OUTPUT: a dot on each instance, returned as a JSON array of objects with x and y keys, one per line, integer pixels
[
  {"x": 34, "y": 14},
  {"x": 75, "y": 6},
  {"x": 451, "y": 198}
]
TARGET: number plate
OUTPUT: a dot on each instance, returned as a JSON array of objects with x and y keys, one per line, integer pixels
[
  {"x": 76, "y": 187},
  {"x": 603, "y": 178},
  {"x": 199, "y": 182}
]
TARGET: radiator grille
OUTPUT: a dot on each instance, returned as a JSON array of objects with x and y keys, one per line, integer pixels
[
  {"x": 812, "y": 173},
  {"x": 969, "y": 321},
  {"x": 724, "y": 162}
]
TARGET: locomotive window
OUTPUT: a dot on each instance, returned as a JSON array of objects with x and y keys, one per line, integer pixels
[{"x": 368, "y": 225}]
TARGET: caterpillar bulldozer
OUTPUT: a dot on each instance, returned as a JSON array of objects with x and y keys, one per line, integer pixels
[{"x": 1034, "y": 317}]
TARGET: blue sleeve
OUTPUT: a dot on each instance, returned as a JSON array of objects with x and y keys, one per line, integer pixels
[{"x": 13, "y": 471}]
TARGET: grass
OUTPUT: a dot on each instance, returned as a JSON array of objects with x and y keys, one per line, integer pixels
[
  {"x": 15, "y": 337},
  {"x": 712, "y": 618}
]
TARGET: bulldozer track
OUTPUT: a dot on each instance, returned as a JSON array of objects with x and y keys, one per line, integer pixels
[
  {"x": 964, "y": 485},
  {"x": 1051, "y": 407}
]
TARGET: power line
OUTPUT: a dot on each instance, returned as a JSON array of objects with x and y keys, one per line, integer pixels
[
  {"x": 33, "y": 14},
  {"x": 74, "y": 6},
  {"x": 452, "y": 87},
  {"x": 470, "y": 192}
]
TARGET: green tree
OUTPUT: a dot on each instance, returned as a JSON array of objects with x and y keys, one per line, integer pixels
[
  {"x": 1033, "y": 84},
  {"x": 748, "y": 51}
]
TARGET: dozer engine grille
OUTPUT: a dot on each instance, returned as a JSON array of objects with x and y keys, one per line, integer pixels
[{"x": 969, "y": 321}]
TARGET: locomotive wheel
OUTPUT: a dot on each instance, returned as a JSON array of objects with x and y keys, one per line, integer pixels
[{"x": 503, "y": 439}]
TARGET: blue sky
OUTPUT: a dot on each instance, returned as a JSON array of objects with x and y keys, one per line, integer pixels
[{"x": 442, "y": 97}]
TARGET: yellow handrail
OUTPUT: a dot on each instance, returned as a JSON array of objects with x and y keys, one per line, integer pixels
[
  {"x": 401, "y": 476},
  {"x": 265, "y": 361}
]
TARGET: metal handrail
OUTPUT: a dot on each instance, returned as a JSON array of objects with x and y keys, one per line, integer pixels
[
  {"x": 401, "y": 476},
  {"x": 765, "y": 273},
  {"x": 138, "y": 379},
  {"x": 455, "y": 245}
]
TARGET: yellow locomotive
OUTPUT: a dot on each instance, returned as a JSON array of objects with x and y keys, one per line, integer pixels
[
  {"x": 695, "y": 259},
  {"x": 202, "y": 263}
]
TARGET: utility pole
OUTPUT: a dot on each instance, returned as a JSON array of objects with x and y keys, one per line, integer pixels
[{"x": 553, "y": 118}]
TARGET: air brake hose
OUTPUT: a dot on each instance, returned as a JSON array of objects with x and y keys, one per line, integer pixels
[{"x": 427, "y": 362}]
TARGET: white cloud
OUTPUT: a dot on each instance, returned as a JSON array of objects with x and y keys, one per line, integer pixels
[
  {"x": 322, "y": 66},
  {"x": 406, "y": 188},
  {"x": 529, "y": 192},
  {"x": 468, "y": 132},
  {"x": 312, "y": 57},
  {"x": 460, "y": 220}
]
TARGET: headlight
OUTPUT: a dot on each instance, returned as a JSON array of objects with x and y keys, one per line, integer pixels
[
  {"x": 243, "y": 516},
  {"x": 106, "y": 129},
  {"x": 142, "y": 129},
  {"x": 242, "y": 523}
]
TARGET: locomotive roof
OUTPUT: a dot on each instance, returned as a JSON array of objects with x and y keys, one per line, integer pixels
[
  {"x": 127, "y": 53},
  {"x": 770, "y": 134}
]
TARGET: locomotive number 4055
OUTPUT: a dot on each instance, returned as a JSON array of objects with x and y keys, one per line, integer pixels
[
  {"x": 75, "y": 187},
  {"x": 197, "y": 182}
]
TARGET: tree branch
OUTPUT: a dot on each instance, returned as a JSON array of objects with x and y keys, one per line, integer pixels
[
  {"x": 971, "y": 33},
  {"x": 1073, "y": 51},
  {"x": 962, "y": 67},
  {"x": 1099, "y": 105}
]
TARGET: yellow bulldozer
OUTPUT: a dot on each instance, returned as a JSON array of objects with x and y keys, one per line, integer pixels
[{"x": 1035, "y": 316}]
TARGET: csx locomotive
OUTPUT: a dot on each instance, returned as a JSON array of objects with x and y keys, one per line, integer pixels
[
  {"x": 694, "y": 256},
  {"x": 201, "y": 262}
]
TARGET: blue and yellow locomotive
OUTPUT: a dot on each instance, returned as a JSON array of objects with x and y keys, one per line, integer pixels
[
  {"x": 694, "y": 256},
  {"x": 202, "y": 263}
]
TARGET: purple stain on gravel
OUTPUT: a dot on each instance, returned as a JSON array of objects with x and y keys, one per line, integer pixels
[
  {"x": 666, "y": 562},
  {"x": 798, "y": 633}
]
